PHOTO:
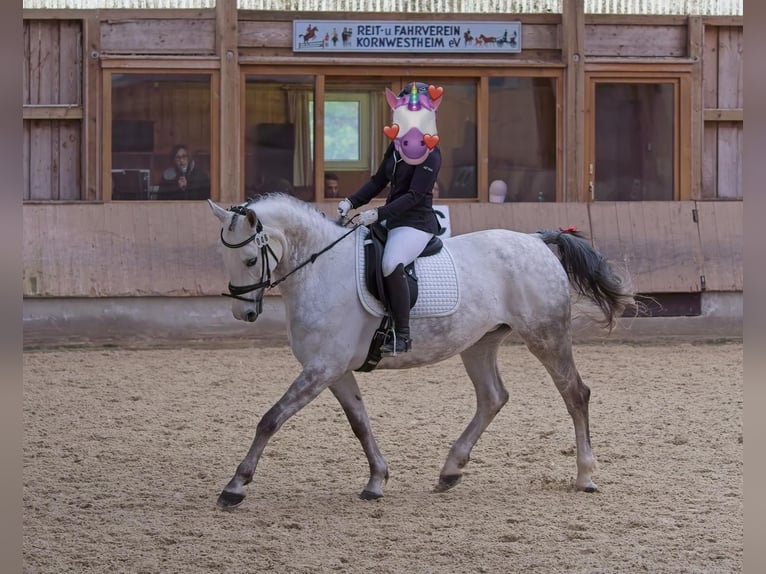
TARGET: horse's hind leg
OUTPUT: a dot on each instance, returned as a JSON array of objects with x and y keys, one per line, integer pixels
[
  {"x": 347, "y": 392},
  {"x": 555, "y": 353},
  {"x": 480, "y": 362}
]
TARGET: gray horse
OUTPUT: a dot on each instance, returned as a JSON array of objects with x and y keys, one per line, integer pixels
[{"x": 508, "y": 281}]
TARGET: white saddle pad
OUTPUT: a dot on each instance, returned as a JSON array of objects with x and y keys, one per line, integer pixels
[{"x": 438, "y": 290}]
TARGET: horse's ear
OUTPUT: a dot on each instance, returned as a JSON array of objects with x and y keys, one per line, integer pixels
[
  {"x": 251, "y": 219},
  {"x": 218, "y": 211}
]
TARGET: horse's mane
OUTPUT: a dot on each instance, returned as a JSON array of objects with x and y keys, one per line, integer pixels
[{"x": 303, "y": 221}]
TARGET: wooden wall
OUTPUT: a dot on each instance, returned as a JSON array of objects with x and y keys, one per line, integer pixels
[
  {"x": 161, "y": 249},
  {"x": 52, "y": 99},
  {"x": 723, "y": 112},
  {"x": 55, "y": 163}
]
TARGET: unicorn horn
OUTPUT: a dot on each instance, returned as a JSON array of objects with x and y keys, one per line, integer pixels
[{"x": 414, "y": 103}]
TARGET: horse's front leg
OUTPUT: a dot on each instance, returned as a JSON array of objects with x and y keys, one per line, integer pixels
[
  {"x": 346, "y": 390},
  {"x": 301, "y": 392}
]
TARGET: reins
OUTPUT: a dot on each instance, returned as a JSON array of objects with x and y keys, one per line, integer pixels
[{"x": 262, "y": 240}]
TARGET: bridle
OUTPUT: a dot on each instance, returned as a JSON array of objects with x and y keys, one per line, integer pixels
[{"x": 261, "y": 239}]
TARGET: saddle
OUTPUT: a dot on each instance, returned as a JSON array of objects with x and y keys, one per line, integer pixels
[
  {"x": 374, "y": 245},
  {"x": 373, "y": 263}
]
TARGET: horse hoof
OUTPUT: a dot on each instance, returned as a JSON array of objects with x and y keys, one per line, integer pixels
[
  {"x": 591, "y": 488},
  {"x": 447, "y": 482},
  {"x": 229, "y": 500},
  {"x": 369, "y": 495}
]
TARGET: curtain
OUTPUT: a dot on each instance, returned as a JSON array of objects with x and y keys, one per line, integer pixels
[{"x": 298, "y": 110}]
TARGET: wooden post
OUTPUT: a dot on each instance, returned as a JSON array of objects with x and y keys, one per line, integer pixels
[
  {"x": 91, "y": 160},
  {"x": 573, "y": 54},
  {"x": 230, "y": 154},
  {"x": 696, "y": 47}
]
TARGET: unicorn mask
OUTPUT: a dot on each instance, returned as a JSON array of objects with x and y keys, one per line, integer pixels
[{"x": 413, "y": 121}]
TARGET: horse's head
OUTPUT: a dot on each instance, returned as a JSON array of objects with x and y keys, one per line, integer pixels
[
  {"x": 249, "y": 254},
  {"x": 413, "y": 121}
]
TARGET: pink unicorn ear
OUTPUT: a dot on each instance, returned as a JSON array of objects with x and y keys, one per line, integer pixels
[{"x": 391, "y": 99}]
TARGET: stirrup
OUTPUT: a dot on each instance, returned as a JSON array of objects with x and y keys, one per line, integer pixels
[{"x": 395, "y": 344}]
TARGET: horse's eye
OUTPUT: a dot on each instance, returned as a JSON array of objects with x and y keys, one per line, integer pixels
[{"x": 251, "y": 262}]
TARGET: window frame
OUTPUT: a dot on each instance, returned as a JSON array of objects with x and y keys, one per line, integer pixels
[
  {"x": 679, "y": 75},
  {"x": 365, "y": 133},
  {"x": 168, "y": 67}
]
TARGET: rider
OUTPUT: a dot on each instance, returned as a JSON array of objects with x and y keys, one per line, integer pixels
[{"x": 411, "y": 164}]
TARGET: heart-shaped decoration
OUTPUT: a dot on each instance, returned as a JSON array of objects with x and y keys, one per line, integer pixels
[
  {"x": 391, "y": 131},
  {"x": 435, "y": 92},
  {"x": 431, "y": 141}
]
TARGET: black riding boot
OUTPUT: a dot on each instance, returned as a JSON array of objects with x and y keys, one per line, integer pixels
[{"x": 398, "y": 293}]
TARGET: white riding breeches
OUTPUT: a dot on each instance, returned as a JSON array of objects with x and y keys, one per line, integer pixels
[{"x": 403, "y": 245}]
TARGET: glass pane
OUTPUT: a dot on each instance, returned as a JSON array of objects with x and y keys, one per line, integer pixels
[
  {"x": 278, "y": 151},
  {"x": 161, "y": 136},
  {"x": 522, "y": 139},
  {"x": 634, "y": 142},
  {"x": 341, "y": 131},
  {"x": 456, "y": 122}
]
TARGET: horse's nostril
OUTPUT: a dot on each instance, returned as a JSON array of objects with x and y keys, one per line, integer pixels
[{"x": 251, "y": 316}]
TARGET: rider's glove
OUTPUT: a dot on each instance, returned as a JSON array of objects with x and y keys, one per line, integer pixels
[
  {"x": 368, "y": 217},
  {"x": 344, "y": 207}
]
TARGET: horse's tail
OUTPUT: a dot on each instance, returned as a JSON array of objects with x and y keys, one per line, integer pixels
[{"x": 590, "y": 273}]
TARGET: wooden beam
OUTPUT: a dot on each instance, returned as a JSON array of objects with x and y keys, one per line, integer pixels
[
  {"x": 53, "y": 112},
  {"x": 696, "y": 46},
  {"x": 91, "y": 147},
  {"x": 229, "y": 180},
  {"x": 573, "y": 52},
  {"x": 723, "y": 21},
  {"x": 482, "y": 121},
  {"x": 719, "y": 115},
  {"x": 127, "y": 62}
]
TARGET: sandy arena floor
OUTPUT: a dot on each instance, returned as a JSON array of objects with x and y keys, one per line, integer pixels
[{"x": 125, "y": 452}]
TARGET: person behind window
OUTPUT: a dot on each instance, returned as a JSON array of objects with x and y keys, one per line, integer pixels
[
  {"x": 331, "y": 185},
  {"x": 183, "y": 180},
  {"x": 411, "y": 164}
]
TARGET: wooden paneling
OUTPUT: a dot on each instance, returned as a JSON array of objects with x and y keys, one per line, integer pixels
[
  {"x": 51, "y": 159},
  {"x": 121, "y": 249},
  {"x": 149, "y": 36},
  {"x": 52, "y": 72},
  {"x": 161, "y": 249},
  {"x": 722, "y": 243},
  {"x": 52, "y": 94},
  {"x": 657, "y": 243},
  {"x": 730, "y": 74},
  {"x": 723, "y": 101},
  {"x": 636, "y": 41},
  {"x": 525, "y": 217}
]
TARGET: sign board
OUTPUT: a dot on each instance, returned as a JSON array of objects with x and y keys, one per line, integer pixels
[{"x": 412, "y": 37}]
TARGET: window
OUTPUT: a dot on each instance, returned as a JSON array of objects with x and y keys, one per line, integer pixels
[
  {"x": 346, "y": 130},
  {"x": 638, "y": 133},
  {"x": 278, "y": 136},
  {"x": 635, "y": 155},
  {"x": 522, "y": 137},
  {"x": 159, "y": 136},
  {"x": 517, "y": 116}
]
